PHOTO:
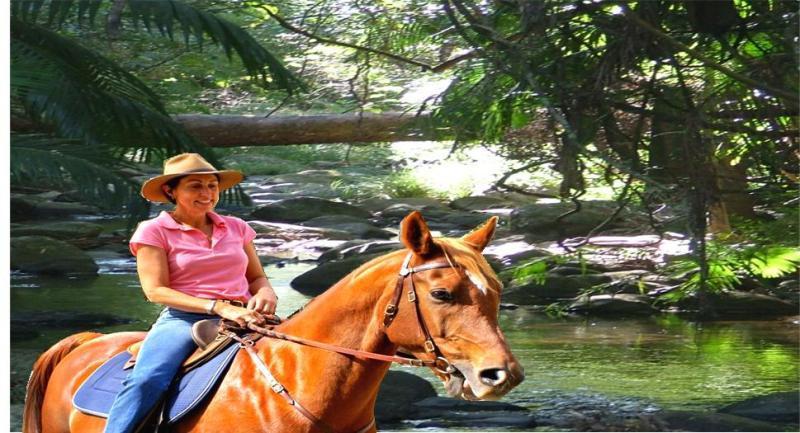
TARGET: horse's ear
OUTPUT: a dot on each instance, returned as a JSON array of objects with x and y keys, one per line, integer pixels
[
  {"x": 415, "y": 235},
  {"x": 481, "y": 236}
]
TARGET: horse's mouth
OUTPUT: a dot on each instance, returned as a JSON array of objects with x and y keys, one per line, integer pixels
[{"x": 464, "y": 384}]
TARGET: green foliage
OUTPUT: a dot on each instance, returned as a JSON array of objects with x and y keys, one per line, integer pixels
[
  {"x": 403, "y": 184},
  {"x": 728, "y": 264}
]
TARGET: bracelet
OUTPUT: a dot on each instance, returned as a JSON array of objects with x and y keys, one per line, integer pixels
[{"x": 211, "y": 305}]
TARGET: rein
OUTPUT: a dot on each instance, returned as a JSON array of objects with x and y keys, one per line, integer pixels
[{"x": 439, "y": 363}]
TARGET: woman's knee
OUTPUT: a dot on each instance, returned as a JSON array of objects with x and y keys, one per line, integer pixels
[{"x": 152, "y": 382}]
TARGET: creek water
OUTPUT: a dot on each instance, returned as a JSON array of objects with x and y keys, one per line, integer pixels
[{"x": 622, "y": 366}]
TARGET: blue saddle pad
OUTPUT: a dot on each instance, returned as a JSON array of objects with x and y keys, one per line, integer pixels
[{"x": 97, "y": 393}]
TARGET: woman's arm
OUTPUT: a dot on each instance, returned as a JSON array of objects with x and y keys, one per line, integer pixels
[
  {"x": 151, "y": 263},
  {"x": 264, "y": 299}
]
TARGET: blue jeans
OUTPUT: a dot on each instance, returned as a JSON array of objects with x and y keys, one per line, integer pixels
[{"x": 168, "y": 343}]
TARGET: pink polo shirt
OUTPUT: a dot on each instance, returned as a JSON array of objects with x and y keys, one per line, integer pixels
[{"x": 197, "y": 268}]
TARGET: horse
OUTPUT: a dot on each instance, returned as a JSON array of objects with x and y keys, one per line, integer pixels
[{"x": 451, "y": 325}]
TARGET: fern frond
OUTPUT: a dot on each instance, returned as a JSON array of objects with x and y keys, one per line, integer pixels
[
  {"x": 775, "y": 262},
  {"x": 164, "y": 15}
]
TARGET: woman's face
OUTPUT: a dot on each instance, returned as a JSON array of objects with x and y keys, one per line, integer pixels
[{"x": 196, "y": 193}]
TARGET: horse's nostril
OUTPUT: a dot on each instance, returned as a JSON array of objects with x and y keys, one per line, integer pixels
[{"x": 493, "y": 376}]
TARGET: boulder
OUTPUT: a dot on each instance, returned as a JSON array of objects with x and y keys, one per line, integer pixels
[
  {"x": 483, "y": 202},
  {"x": 714, "y": 422},
  {"x": 303, "y": 209},
  {"x": 358, "y": 227},
  {"x": 293, "y": 232},
  {"x": 398, "y": 211},
  {"x": 45, "y": 255},
  {"x": 79, "y": 233},
  {"x": 441, "y": 412},
  {"x": 397, "y": 394},
  {"x": 324, "y": 177},
  {"x": 358, "y": 247},
  {"x": 527, "y": 291},
  {"x": 25, "y": 207},
  {"x": 614, "y": 304},
  {"x": 776, "y": 407},
  {"x": 421, "y": 204},
  {"x": 740, "y": 304},
  {"x": 294, "y": 190},
  {"x": 538, "y": 221},
  {"x": 319, "y": 279}
]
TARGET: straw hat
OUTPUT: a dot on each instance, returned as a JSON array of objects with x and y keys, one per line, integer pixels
[{"x": 182, "y": 165}]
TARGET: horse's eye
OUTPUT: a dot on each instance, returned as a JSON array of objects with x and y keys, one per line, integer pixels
[{"x": 441, "y": 295}]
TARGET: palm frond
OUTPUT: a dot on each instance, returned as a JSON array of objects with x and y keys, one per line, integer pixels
[
  {"x": 85, "y": 96},
  {"x": 165, "y": 15},
  {"x": 90, "y": 172}
]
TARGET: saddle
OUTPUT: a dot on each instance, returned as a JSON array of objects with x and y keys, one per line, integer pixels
[
  {"x": 197, "y": 379},
  {"x": 205, "y": 333}
]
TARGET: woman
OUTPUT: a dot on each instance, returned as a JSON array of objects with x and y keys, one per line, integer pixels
[{"x": 199, "y": 265}]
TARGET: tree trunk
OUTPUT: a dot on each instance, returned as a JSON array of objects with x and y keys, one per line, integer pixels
[{"x": 230, "y": 131}]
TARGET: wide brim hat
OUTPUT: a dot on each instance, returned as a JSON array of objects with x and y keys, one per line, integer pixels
[{"x": 183, "y": 165}]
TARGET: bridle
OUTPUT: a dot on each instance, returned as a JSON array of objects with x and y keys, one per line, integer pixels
[{"x": 438, "y": 363}]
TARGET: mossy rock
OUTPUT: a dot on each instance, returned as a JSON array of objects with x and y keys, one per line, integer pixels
[
  {"x": 45, "y": 255},
  {"x": 303, "y": 209},
  {"x": 79, "y": 233}
]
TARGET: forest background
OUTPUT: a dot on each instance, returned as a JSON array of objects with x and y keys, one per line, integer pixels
[{"x": 683, "y": 113}]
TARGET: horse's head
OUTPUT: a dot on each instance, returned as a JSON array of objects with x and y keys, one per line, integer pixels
[{"x": 457, "y": 297}]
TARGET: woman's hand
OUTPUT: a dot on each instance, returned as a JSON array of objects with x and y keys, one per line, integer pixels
[
  {"x": 264, "y": 301},
  {"x": 242, "y": 316}
]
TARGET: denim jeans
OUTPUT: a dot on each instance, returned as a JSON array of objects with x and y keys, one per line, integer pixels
[{"x": 168, "y": 343}]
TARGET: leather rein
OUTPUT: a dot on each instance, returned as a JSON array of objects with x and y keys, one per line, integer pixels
[{"x": 439, "y": 362}]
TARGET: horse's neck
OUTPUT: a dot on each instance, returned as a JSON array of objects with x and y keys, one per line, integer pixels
[{"x": 347, "y": 315}]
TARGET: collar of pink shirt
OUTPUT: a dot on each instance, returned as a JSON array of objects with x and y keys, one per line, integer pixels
[{"x": 165, "y": 220}]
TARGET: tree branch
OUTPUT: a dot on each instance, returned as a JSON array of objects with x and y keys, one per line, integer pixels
[{"x": 791, "y": 97}]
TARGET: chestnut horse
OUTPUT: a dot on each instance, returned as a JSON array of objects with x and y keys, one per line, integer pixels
[{"x": 459, "y": 303}]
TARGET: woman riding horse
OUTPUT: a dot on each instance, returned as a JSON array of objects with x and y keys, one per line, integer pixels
[
  {"x": 196, "y": 263},
  {"x": 437, "y": 299}
]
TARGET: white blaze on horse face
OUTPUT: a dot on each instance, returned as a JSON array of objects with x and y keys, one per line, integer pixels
[{"x": 477, "y": 282}]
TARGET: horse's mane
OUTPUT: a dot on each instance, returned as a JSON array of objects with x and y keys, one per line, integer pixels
[{"x": 457, "y": 253}]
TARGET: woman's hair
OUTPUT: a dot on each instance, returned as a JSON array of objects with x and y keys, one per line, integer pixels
[{"x": 173, "y": 183}]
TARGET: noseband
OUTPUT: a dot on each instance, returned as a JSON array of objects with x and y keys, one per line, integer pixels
[{"x": 440, "y": 363}]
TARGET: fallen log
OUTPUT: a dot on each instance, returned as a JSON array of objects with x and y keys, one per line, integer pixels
[{"x": 231, "y": 131}]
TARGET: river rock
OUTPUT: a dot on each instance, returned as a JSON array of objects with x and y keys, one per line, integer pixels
[
  {"x": 714, "y": 422},
  {"x": 305, "y": 208},
  {"x": 79, "y": 233},
  {"x": 358, "y": 227},
  {"x": 527, "y": 291},
  {"x": 740, "y": 304},
  {"x": 421, "y": 204},
  {"x": 294, "y": 190},
  {"x": 449, "y": 412},
  {"x": 538, "y": 221},
  {"x": 324, "y": 177},
  {"x": 615, "y": 304},
  {"x": 319, "y": 279},
  {"x": 358, "y": 247},
  {"x": 294, "y": 232},
  {"x": 776, "y": 407},
  {"x": 25, "y": 207},
  {"x": 463, "y": 221},
  {"x": 481, "y": 202},
  {"x": 396, "y": 212},
  {"x": 45, "y": 255},
  {"x": 398, "y": 391}
]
